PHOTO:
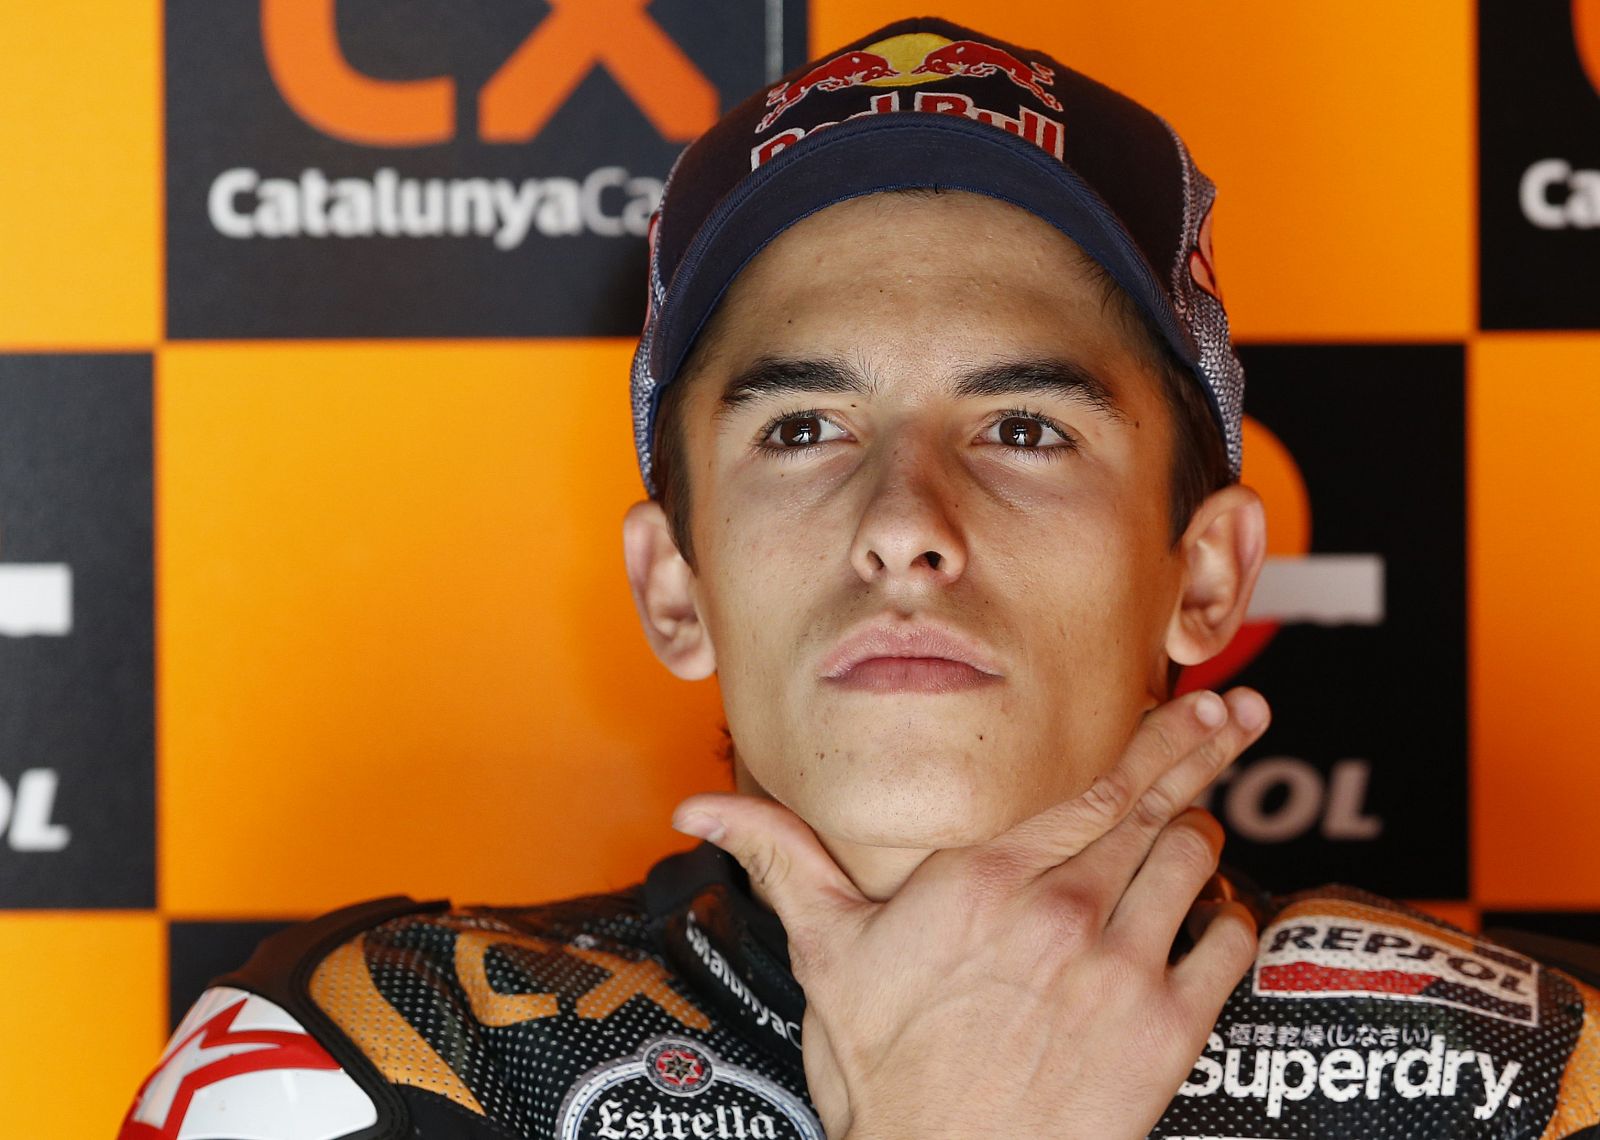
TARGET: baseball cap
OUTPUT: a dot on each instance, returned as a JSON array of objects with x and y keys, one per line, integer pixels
[{"x": 927, "y": 103}]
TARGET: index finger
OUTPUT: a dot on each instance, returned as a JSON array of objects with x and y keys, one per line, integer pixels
[{"x": 1177, "y": 750}]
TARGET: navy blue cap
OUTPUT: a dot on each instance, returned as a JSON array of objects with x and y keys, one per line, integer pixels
[{"x": 925, "y": 103}]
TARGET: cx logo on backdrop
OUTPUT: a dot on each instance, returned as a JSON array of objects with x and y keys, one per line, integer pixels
[
  {"x": 1357, "y": 632},
  {"x": 1539, "y": 169},
  {"x": 353, "y": 168},
  {"x": 77, "y": 709}
]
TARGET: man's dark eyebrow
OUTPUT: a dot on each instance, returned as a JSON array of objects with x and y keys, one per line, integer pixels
[
  {"x": 770, "y": 377},
  {"x": 1060, "y": 378}
]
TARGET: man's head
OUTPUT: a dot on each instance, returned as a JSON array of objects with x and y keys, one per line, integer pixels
[
  {"x": 923, "y": 465},
  {"x": 964, "y": 460}
]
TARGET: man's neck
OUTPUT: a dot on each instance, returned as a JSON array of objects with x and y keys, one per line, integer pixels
[{"x": 877, "y": 872}]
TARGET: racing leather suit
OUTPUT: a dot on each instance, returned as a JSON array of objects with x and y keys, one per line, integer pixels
[{"x": 668, "y": 1012}]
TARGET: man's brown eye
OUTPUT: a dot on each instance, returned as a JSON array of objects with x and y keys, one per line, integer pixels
[
  {"x": 802, "y": 431},
  {"x": 1017, "y": 431}
]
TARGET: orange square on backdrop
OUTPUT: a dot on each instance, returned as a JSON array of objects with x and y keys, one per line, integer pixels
[
  {"x": 80, "y": 263},
  {"x": 1340, "y": 137},
  {"x": 1534, "y": 497},
  {"x": 397, "y": 648},
  {"x": 82, "y": 995}
]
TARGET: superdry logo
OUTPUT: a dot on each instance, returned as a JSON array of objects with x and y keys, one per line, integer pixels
[
  {"x": 908, "y": 60},
  {"x": 362, "y": 168},
  {"x": 1348, "y": 949},
  {"x": 1279, "y": 1077}
]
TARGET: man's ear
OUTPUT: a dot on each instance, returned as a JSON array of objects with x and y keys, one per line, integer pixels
[
  {"x": 663, "y": 592},
  {"x": 1222, "y": 552}
]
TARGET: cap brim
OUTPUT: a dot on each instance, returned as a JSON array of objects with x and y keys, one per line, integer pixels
[{"x": 888, "y": 152}]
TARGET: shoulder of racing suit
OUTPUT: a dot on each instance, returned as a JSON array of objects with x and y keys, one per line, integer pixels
[{"x": 668, "y": 1011}]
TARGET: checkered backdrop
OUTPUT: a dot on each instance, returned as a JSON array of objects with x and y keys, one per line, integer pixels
[{"x": 314, "y": 332}]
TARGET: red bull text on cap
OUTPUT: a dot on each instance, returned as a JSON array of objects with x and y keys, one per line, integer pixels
[{"x": 924, "y": 102}]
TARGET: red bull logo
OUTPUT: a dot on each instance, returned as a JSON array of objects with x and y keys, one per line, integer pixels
[
  {"x": 969, "y": 57},
  {"x": 912, "y": 60},
  {"x": 850, "y": 70}
]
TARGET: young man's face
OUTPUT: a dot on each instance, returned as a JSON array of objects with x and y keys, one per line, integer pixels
[{"x": 929, "y": 484}]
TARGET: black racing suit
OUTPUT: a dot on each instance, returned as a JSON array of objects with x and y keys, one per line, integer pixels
[{"x": 668, "y": 1012}]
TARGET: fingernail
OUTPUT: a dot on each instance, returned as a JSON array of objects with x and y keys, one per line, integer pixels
[
  {"x": 1251, "y": 710},
  {"x": 1210, "y": 710},
  {"x": 700, "y": 825}
]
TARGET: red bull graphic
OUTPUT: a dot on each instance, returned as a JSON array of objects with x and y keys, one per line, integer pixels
[
  {"x": 1046, "y": 134},
  {"x": 850, "y": 70},
  {"x": 911, "y": 60},
  {"x": 969, "y": 57}
]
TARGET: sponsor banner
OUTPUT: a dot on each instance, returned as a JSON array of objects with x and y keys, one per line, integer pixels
[
  {"x": 1539, "y": 164},
  {"x": 1360, "y": 1018},
  {"x": 724, "y": 974},
  {"x": 675, "y": 1087},
  {"x": 77, "y": 720},
  {"x": 1356, "y": 950},
  {"x": 370, "y": 168},
  {"x": 1357, "y": 635},
  {"x": 1337, "y": 1082}
]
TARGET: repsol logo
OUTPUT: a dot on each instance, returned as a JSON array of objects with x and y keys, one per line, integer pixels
[
  {"x": 312, "y": 73},
  {"x": 27, "y": 811},
  {"x": 1277, "y": 799},
  {"x": 1352, "y": 949}
]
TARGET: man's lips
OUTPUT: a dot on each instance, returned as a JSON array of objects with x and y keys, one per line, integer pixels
[{"x": 904, "y": 657}]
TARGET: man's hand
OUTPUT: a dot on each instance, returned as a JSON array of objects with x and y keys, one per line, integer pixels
[{"x": 1020, "y": 987}]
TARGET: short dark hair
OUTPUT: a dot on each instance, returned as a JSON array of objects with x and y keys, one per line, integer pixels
[{"x": 1199, "y": 457}]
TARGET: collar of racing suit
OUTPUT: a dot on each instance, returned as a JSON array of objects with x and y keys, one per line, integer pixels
[{"x": 715, "y": 933}]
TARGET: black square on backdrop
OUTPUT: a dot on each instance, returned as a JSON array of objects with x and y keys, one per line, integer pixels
[
  {"x": 1576, "y": 925},
  {"x": 197, "y": 952},
  {"x": 284, "y": 219},
  {"x": 1538, "y": 171},
  {"x": 1362, "y": 777},
  {"x": 77, "y": 706}
]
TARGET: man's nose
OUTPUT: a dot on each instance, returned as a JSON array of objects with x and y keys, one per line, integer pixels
[{"x": 910, "y": 531}]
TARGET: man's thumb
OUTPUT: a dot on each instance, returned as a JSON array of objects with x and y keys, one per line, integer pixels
[{"x": 788, "y": 866}]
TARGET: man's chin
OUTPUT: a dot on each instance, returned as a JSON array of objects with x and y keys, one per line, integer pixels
[{"x": 930, "y": 802}]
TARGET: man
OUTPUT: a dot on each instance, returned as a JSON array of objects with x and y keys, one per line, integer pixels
[{"x": 941, "y": 420}]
